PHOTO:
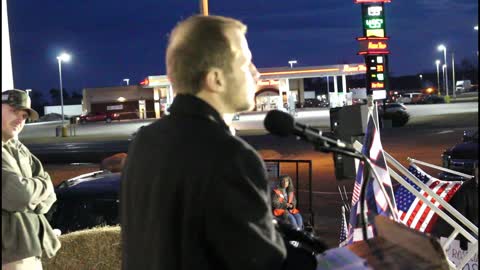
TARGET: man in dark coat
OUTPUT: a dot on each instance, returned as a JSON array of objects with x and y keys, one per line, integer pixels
[{"x": 193, "y": 195}]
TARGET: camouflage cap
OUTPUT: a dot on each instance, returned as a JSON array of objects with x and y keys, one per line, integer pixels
[{"x": 20, "y": 100}]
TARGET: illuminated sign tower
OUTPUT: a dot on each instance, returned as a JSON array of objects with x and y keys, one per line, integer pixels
[{"x": 374, "y": 47}]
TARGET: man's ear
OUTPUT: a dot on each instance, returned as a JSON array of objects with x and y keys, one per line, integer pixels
[{"x": 215, "y": 80}]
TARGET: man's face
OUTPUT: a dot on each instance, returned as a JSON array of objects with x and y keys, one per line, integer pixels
[
  {"x": 13, "y": 121},
  {"x": 242, "y": 81}
]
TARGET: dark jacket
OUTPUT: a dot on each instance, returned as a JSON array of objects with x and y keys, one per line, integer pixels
[{"x": 195, "y": 197}]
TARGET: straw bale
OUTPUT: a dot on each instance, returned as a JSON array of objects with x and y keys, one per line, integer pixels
[{"x": 92, "y": 249}]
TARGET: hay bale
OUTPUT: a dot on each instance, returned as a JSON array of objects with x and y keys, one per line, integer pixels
[{"x": 97, "y": 248}]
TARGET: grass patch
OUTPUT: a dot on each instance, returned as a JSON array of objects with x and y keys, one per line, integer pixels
[{"x": 96, "y": 248}]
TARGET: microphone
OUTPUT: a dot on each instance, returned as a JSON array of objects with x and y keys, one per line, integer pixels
[{"x": 282, "y": 124}]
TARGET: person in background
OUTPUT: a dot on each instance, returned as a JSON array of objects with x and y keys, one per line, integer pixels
[
  {"x": 284, "y": 202},
  {"x": 193, "y": 195},
  {"x": 27, "y": 192}
]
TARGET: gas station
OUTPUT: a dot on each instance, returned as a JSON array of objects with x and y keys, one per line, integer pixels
[{"x": 277, "y": 86}]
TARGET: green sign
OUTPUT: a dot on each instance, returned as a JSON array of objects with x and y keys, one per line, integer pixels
[{"x": 373, "y": 18}]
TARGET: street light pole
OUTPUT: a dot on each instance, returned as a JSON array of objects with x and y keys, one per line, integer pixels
[
  {"x": 61, "y": 87},
  {"x": 437, "y": 63},
  {"x": 62, "y": 57},
  {"x": 454, "y": 87},
  {"x": 440, "y": 48},
  {"x": 443, "y": 72},
  {"x": 476, "y": 29}
]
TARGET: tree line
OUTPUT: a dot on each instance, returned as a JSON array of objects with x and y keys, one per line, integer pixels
[
  {"x": 39, "y": 100},
  {"x": 465, "y": 70}
]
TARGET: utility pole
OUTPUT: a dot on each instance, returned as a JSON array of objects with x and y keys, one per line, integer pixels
[{"x": 204, "y": 7}]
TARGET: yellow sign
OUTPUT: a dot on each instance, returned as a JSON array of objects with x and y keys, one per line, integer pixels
[{"x": 375, "y": 33}]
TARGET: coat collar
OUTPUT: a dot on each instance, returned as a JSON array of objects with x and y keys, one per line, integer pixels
[{"x": 190, "y": 105}]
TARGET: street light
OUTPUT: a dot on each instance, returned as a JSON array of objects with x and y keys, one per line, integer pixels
[
  {"x": 454, "y": 86},
  {"x": 442, "y": 47},
  {"x": 291, "y": 62},
  {"x": 476, "y": 29},
  {"x": 127, "y": 80},
  {"x": 443, "y": 72},
  {"x": 421, "y": 80},
  {"x": 62, "y": 57},
  {"x": 437, "y": 63}
]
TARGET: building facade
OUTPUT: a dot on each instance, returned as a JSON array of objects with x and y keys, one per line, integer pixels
[
  {"x": 278, "y": 88},
  {"x": 130, "y": 101}
]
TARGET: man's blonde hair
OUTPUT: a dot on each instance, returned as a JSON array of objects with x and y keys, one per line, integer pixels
[{"x": 196, "y": 45}]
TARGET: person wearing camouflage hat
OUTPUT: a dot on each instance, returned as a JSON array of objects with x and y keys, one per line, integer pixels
[
  {"x": 20, "y": 100},
  {"x": 27, "y": 192}
]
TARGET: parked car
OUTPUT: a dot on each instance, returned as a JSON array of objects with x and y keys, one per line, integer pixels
[
  {"x": 407, "y": 98},
  {"x": 433, "y": 99},
  {"x": 462, "y": 156},
  {"x": 392, "y": 107},
  {"x": 418, "y": 99},
  {"x": 99, "y": 116},
  {"x": 86, "y": 201}
]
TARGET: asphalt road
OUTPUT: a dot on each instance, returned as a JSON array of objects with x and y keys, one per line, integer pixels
[{"x": 248, "y": 123}]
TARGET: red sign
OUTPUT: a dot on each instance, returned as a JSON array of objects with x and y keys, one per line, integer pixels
[{"x": 370, "y": 45}]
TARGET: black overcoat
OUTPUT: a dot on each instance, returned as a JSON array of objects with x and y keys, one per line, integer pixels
[{"x": 194, "y": 196}]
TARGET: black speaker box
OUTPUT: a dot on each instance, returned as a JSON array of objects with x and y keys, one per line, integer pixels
[{"x": 347, "y": 124}]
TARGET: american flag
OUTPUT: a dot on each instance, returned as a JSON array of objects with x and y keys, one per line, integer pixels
[
  {"x": 376, "y": 201},
  {"x": 412, "y": 211}
]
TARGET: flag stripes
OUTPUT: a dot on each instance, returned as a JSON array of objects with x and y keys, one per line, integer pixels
[{"x": 414, "y": 212}]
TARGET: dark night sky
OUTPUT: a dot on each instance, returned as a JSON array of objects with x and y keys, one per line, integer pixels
[{"x": 110, "y": 40}]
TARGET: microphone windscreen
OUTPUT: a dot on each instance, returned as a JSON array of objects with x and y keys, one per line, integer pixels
[{"x": 279, "y": 123}]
